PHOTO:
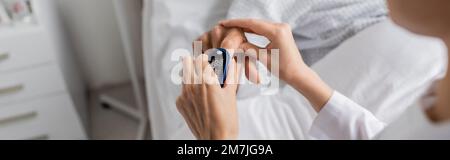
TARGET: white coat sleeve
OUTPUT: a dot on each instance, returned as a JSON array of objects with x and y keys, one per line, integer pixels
[{"x": 343, "y": 119}]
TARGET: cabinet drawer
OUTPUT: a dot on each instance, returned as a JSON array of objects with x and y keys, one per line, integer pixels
[
  {"x": 31, "y": 83},
  {"x": 25, "y": 50},
  {"x": 47, "y": 118}
]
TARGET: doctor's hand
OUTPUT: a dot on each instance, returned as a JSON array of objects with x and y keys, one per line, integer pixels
[
  {"x": 292, "y": 68},
  {"x": 209, "y": 110},
  {"x": 280, "y": 35},
  {"x": 230, "y": 38}
]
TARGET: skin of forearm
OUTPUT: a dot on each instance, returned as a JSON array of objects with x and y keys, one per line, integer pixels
[
  {"x": 310, "y": 85},
  {"x": 441, "y": 111},
  {"x": 444, "y": 90}
]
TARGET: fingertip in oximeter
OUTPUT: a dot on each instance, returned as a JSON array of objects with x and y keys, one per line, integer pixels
[{"x": 219, "y": 59}]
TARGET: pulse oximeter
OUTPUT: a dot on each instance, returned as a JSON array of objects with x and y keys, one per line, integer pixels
[{"x": 219, "y": 59}]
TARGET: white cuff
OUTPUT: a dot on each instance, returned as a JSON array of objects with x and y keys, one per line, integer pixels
[{"x": 341, "y": 118}]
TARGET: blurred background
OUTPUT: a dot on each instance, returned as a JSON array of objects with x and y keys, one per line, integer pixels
[{"x": 57, "y": 59}]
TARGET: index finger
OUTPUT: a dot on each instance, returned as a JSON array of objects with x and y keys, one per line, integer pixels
[
  {"x": 188, "y": 70},
  {"x": 260, "y": 27}
]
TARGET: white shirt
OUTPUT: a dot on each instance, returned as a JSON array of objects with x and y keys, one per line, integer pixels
[{"x": 343, "y": 119}]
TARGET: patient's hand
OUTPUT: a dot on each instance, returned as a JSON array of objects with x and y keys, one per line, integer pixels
[
  {"x": 209, "y": 110},
  {"x": 230, "y": 39}
]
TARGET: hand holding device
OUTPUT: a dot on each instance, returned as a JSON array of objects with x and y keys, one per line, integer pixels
[
  {"x": 209, "y": 110},
  {"x": 292, "y": 68},
  {"x": 219, "y": 59}
]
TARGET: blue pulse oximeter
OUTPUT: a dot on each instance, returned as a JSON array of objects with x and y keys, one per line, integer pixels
[{"x": 219, "y": 59}]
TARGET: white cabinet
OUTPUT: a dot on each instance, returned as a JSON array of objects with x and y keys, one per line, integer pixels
[
  {"x": 27, "y": 47},
  {"x": 25, "y": 84},
  {"x": 51, "y": 117},
  {"x": 40, "y": 90}
]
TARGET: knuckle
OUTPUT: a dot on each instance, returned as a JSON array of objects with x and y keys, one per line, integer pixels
[
  {"x": 218, "y": 27},
  {"x": 283, "y": 28},
  {"x": 227, "y": 44},
  {"x": 235, "y": 31},
  {"x": 217, "y": 30}
]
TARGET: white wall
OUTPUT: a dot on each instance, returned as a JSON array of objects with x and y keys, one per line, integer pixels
[{"x": 96, "y": 40}]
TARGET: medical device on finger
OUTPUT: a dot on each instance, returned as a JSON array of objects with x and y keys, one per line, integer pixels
[{"x": 219, "y": 59}]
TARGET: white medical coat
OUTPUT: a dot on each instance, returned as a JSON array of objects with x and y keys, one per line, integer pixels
[{"x": 343, "y": 119}]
